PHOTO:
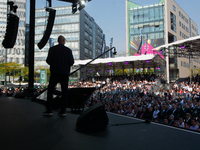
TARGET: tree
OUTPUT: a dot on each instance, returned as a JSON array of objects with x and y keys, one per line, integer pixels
[
  {"x": 24, "y": 73},
  {"x": 9, "y": 69}
]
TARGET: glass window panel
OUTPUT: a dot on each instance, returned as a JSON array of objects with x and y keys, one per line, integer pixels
[
  {"x": 151, "y": 12},
  {"x": 146, "y": 15},
  {"x": 157, "y": 13}
]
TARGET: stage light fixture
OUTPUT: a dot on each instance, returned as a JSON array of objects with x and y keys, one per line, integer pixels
[
  {"x": 147, "y": 61},
  {"x": 74, "y": 8},
  {"x": 81, "y": 4}
]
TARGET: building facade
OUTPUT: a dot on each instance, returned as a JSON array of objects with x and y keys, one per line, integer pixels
[
  {"x": 82, "y": 33},
  {"x": 158, "y": 24},
  {"x": 16, "y": 54}
]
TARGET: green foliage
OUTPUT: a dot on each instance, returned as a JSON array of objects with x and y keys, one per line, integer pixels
[{"x": 16, "y": 70}]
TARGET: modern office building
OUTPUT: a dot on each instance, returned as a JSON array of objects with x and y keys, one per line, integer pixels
[
  {"x": 158, "y": 24},
  {"x": 82, "y": 33},
  {"x": 15, "y": 54}
]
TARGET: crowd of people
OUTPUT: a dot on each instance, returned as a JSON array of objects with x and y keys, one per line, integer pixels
[
  {"x": 12, "y": 91},
  {"x": 134, "y": 96}
]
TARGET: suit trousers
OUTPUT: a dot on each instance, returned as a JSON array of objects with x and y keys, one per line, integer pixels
[{"x": 63, "y": 80}]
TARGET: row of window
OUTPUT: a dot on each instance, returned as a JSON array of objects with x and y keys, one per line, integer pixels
[
  {"x": 40, "y": 58},
  {"x": 100, "y": 31},
  {"x": 146, "y": 14},
  {"x": 88, "y": 27},
  {"x": 183, "y": 17},
  {"x": 184, "y": 64},
  {"x": 3, "y": 13},
  {"x": 194, "y": 28},
  {"x": 88, "y": 35},
  {"x": 88, "y": 19},
  {"x": 186, "y": 20},
  {"x": 72, "y": 36},
  {"x": 87, "y": 51},
  {"x": 152, "y": 36},
  {"x": 58, "y": 20},
  {"x": 183, "y": 35},
  {"x": 3, "y": 3},
  {"x": 196, "y": 60},
  {"x": 72, "y": 45},
  {"x": 15, "y": 51},
  {"x": 17, "y": 60},
  {"x": 58, "y": 12},
  {"x": 2, "y": 22},
  {"x": 21, "y": 14},
  {"x": 135, "y": 29},
  {"x": 21, "y": 5},
  {"x": 88, "y": 43},
  {"x": 66, "y": 28},
  {"x": 183, "y": 26}
]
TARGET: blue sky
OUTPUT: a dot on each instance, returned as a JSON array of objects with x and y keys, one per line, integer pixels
[{"x": 110, "y": 15}]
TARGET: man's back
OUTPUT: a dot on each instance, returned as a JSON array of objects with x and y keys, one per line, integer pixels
[{"x": 60, "y": 59}]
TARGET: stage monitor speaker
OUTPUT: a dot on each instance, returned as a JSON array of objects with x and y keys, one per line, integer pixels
[
  {"x": 11, "y": 31},
  {"x": 47, "y": 33},
  {"x": 94, "y": 118},
  {"x": 77, "y": 97}
]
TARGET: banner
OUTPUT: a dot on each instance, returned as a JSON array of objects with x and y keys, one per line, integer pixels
[{"x": 43, "y": 76}]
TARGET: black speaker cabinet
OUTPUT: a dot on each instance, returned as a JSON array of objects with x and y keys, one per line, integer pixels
[
  {"x": 76, "y": 97},
  {"x": 94, "y": 118}
]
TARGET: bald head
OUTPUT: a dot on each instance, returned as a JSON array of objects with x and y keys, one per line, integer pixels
[{"x": 61, "y": 40}]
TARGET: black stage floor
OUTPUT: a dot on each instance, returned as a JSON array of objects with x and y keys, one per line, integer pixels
[{"x": 22, "y": 127}]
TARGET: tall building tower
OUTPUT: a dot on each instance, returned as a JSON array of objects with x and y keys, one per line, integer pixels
[
  {"x": 15, "y": 54},
  {"x": 158, "y": 24},
  {"x": 82, "y": 33}
]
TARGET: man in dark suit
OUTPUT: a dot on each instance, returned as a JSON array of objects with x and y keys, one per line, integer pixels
[{"x": 60, "y": 59}]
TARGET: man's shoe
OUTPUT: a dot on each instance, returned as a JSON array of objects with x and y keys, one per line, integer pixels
[
  {"x": 48, "y": 113},
  {"x": 62, "y": 113}
]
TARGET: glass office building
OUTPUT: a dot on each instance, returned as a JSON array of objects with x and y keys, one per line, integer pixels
[
  {"x": 147, "y": 22},
  {"x": 16, "y": 54},
  {"x": 156, "y": 25},
  {"x": 82, "y": 34}
]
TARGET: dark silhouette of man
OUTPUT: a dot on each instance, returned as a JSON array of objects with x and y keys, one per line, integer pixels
[{"x": 60, "y": 59}]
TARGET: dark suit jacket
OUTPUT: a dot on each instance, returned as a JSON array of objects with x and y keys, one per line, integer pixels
[{"x": 60, "y": 59}]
